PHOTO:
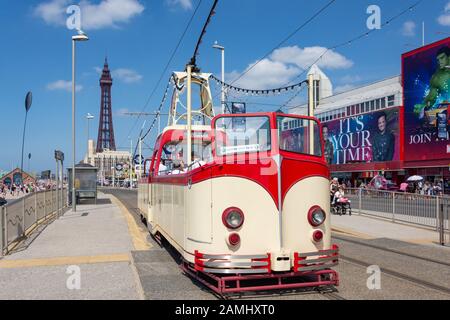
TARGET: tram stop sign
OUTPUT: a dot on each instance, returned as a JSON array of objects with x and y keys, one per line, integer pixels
[{"x": 138, "y": 159}]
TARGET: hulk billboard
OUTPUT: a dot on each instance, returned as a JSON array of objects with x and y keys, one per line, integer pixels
[{"x": 426, "y": 80}]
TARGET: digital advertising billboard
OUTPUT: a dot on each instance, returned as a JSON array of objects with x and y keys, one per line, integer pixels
[
  {"x": 426, "y": 80},
  {"x": 367, "y": 138}
]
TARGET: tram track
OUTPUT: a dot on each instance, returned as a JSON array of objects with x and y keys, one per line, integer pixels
[
  {"x": 399, "y": 275},
  {"x": 410, "y": 255}
]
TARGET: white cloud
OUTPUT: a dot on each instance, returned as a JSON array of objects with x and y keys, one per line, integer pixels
[
  {"x": 107, "y": 13},
  {"x": 266, "y": 74},
  {"x": 305, "y": 57},
  {"x": 122, "y": 74},
  {"x": 284, "y": 64},
  {"x": 63, "y": 85},
  {"x": 444, "y": 19},
  {"x": 409, "y": 29},
  {"x": 185, "y": 4},
  {"x": 127, "y": 75},
  {"x": 351, "y": 79}
]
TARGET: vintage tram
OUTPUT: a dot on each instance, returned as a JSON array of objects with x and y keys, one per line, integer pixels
[{"x": 243, "y": 198}]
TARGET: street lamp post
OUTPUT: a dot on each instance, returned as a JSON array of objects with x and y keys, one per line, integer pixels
[
  {"x": 222, "y": 49},
  {"x": 88, "y": 117},
  {"x": 81, "y": 36},
  {"x": 28, "y": 101}
]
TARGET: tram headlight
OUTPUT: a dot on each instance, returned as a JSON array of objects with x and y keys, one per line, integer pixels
[
  {"x": 233, "y": 218},
  {"x": 316, "y": 216}
]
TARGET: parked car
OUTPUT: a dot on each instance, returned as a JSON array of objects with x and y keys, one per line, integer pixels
[{"x": 3, "y": 201}]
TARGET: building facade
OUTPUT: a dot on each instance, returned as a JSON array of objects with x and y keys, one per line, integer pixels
[
  {"x": 397, "y": 127},
  {"x": 15, "y": 177}
]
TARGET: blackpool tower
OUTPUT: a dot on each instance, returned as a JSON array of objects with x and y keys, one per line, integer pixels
[{"x": 105, "y": 140}]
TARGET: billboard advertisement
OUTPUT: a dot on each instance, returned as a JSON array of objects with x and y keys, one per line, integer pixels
[
  {"x": 366, "y": 138},
  {"x": 426, "y": 80}
]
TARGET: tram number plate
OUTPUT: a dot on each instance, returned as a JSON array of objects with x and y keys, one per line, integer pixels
[{"x": 241, "y": 149}]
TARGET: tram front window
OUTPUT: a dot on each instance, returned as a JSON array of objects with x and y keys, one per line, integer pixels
[
  {"x": 237, "y": 135},
  {"x": 299, "y": 136},
  {"x": 174, "y": 157}
]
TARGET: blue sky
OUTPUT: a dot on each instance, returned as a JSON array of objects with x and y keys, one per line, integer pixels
[{"x": 138, "y": 36}]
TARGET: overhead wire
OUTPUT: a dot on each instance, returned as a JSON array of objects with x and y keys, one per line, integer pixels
[{"x": 167, "y": 65}]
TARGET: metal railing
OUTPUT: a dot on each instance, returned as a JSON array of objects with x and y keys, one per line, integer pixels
[
  {"x": 416, "y": 209},
  {"x": 20, "y": 216}
]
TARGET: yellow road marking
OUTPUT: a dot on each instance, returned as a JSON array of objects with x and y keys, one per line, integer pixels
[
  {"x": 351, "y": 233},
  {"x": 60, "y": 261},
  {"x": 138, "y": 234}
]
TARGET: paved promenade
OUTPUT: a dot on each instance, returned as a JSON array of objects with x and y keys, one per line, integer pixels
[
  {"x": 82, "y": 255},
  {"x": 367, "y": 227}
]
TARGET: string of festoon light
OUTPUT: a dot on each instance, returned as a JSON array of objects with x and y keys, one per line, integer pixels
[
  {"x": 350, "y": 42},
  {"x": 158, "y": 111},
  {"x": 258, "y": 91}
]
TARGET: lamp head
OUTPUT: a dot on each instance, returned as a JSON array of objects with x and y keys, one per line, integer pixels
[
  {"x": 81, "y": 36},
  {"x": 217, "y": 46}
]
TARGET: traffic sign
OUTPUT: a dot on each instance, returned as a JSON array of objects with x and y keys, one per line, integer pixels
[{"x": 139, "y": 159}]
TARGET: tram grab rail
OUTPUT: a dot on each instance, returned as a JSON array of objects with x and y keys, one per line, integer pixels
[{"x": 20, "y": 216}]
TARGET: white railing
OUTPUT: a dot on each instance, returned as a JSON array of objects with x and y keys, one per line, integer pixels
[
  {"x": 422, "y": 210},
  {"x": 19, "y": 217}
]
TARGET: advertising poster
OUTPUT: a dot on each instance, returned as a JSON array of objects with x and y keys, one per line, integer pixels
[
  {"x": 426, "y": 80},
  {"x": 366, "y": 138}
]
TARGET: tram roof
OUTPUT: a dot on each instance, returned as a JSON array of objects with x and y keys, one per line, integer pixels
[{"x": 184, "y": 127}]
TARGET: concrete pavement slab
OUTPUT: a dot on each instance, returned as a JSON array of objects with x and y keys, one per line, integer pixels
[{"x": 378, "y": 228}]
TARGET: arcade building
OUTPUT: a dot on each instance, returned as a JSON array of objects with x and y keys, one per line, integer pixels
[{"x": 397, "y": 126}]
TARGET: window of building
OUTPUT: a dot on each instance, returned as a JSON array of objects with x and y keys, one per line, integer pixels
[{"x": 391, "y": 101}]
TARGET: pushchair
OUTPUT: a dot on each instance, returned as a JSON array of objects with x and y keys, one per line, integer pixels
[{"x": 341, "y": 206}]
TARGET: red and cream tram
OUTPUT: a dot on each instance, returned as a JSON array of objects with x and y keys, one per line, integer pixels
[{"x": 250, "y": 209}]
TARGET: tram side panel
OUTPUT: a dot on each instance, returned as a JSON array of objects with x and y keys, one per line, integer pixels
[{"x": 198, "y": 214}]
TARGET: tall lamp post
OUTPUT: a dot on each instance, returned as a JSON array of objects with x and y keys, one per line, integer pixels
[
  {"x": 81, "y": 36},
  {"x": 222, "y": 49},
  {"x": 28, "y": 101},
  {"x": 88, "y": 118}
]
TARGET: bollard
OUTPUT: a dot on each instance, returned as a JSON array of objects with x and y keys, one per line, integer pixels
[
  {"x": 360, "y": 196},
  {"x": 437, "y": 214},
  {"x": 23, "y": 216},
  {"x": 35, "y": 208},
  {"x": 393, "y": 206},
  {"x": 441, "y": 224},
  {"x": 5, "y": 221},
  {"x": 2, "y": 231},
  {"x": 45, "y": 205}
]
